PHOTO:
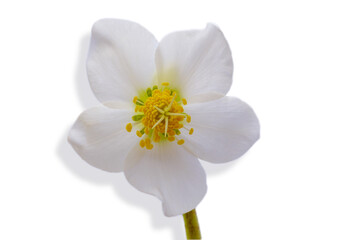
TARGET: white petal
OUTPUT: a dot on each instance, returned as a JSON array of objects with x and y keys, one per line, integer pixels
[
  {"x": 224, "y": 129},
  {"x": 170, "y": 173},
  {"x": 100, "y": 138},
  {"x": 120, "y": 60},
  {"x": 197, "y": 63}
]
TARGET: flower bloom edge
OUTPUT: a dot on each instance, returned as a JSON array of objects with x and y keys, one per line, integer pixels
[{"x": 164, "y": 106}]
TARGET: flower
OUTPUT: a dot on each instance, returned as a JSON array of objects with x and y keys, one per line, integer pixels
[{"x": 163, "y": 108}]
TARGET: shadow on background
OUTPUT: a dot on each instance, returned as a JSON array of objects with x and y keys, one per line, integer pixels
[{"x": 122, "y": 188}]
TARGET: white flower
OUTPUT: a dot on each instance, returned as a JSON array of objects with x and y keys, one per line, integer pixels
[{"x": 163, "y": 107}]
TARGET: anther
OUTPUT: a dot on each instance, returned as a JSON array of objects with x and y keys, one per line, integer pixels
[
  {"x": 191, "y": 131},
  {"x": 172, "y": 132},
  {"x": 128, "y": 127},
  {"x": 181, "y": 142},
  {"x": 157, "y": 138},
  {"x": 135, "y": 99},
  {"x": 142, "y": 143},
  {"x": 184, "y": 101},
  {"x": 188, "y": 118},
  {"x": 148, "y": 144},
  {"x": 138, "y": 133},
  {"x": 165, "y": 84},
  {"x": 147, "y": 131}
]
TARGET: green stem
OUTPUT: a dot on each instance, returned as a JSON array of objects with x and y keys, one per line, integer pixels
[{"x": 192, "y": 225}]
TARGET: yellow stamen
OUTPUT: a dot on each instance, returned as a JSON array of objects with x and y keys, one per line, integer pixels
[
  {"x": 138, "y": 133},
  {"x": 188, "y": 118},
  {"x": 157, "y": 138},
  {"x": 191, "y": 131},
  {"x": 146, "y": 131},
  {"x": 159, "y": 116},
  {"x": 171, "y": 132},
  {"x": 135, "y": 99},
  {"x": 148, "y": 144},
  {"x": 128, "y": 127}
]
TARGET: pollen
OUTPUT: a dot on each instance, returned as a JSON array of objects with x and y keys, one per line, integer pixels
[
  {"x": 159, "y": 116},
  {"x": 138, "y": 133},
  {"x": 128, "y": 127},
  {"x": 146, "y": 131},
  {"x": 148, "y": 144},
  {"x": 142, "y": 143},
  {"x": 191, "y": 131}
]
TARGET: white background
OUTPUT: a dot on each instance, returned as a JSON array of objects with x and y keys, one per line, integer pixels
[{"x": 297, "y": 63}]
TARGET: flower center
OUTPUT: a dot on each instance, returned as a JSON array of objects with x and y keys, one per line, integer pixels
[{"x": 159, "y": 116}]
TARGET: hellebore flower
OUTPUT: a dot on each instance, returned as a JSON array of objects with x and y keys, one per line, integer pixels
[{"x": 163, "y": 108}]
